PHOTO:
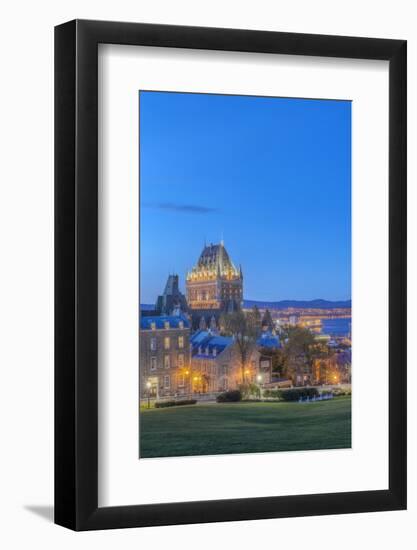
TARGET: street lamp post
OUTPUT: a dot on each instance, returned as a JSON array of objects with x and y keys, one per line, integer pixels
[
  {"x": 148, "y": 385},
  {"x": 259, "y": 379},
  {"x": 190, "y": 390}
]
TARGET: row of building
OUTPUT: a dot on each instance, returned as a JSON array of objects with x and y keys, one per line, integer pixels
[{"x": 175, "y": 361}]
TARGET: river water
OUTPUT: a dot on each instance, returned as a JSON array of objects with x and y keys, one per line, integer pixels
[{"x": 336, "y": 327}]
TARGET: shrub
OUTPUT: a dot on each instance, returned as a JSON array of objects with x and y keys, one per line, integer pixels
[
  {"x": 341, "y": 391},
  {"x": 295, "y": 394},
  {"x": 231, "y": 396},
  {"x": 250, "y": 391},
  {"x": 163, "y": 404},
  {"x": 275, "y": 394}
]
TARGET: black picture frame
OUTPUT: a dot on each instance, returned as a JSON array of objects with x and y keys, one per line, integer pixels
[{"x": 76, "y": 273}]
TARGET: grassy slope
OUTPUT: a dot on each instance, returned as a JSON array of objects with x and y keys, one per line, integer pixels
[{"x": 245, "y": 427}]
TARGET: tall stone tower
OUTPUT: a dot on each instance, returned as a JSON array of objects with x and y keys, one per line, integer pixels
[
  {"x": 172, "y": 301},
  {"x": 214, "y": 283}
]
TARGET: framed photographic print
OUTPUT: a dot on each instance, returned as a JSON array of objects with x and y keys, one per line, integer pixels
[{"x": 230, "y": 275}]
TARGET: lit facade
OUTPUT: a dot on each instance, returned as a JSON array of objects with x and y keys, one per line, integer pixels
[{"x": 214, "y": 283}]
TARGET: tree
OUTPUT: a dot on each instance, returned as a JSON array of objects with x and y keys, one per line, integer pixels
[
  {"x": 267, "y": 320},
  {"x": 279, "y": 361},
  {"x": 300, "y": 349},
  {"x": 256, "y": 315},
  {"x": 255, "y": 320},
  {"x": 244, "y": 329},
  {"x": 298, "y": 340}
]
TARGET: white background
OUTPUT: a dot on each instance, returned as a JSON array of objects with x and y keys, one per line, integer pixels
[
  {"x": 123, "y": 479},
  {"x": 26, "y": 301}
]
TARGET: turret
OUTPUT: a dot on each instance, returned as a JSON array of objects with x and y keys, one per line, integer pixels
[{"x": 203, "y": 324}]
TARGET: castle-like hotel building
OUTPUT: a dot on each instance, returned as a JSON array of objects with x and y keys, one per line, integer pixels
[{"x": 214, "y": 283}]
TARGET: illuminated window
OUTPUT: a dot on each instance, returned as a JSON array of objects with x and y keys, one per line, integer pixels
[
  {"x": 167, "y": 361},
  {"x": 153, "y": 344},
  {"x": 166, "y": 324},
  {"x": 167, "y": 381},
  {"x": 153, "y": 363},
  {"x": 167, "y": 342},
  {"x": 181, "y": 381},
  {"x": 153, "y": 325},
  {"x": 181, "y": 324},
  {"x": 180, "y": 341},
  {"x": 180, "y": 359}
]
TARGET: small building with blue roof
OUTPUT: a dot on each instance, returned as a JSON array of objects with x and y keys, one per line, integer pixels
[
  {"x": 269, "y": 340},
  {"x": 159, "y": 322},
  {"x": 213, "y": 361}
]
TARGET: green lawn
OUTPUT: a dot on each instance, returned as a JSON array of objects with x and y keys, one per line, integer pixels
[{"x": 226, "y": 428}]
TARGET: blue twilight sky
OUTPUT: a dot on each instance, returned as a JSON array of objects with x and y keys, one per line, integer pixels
[{"x": 272, "y": 176}]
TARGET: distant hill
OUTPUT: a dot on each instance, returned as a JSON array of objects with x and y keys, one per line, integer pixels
[
  {"x": 313, "y": 304},
  {"x": 283, "y": 304}
]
